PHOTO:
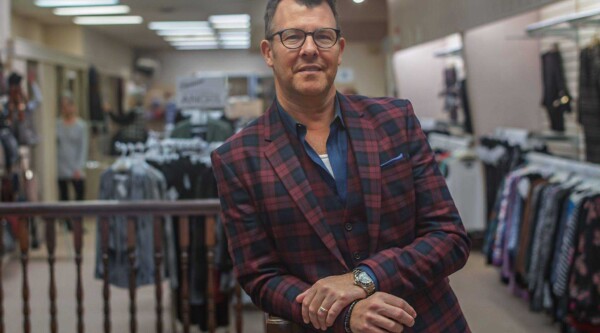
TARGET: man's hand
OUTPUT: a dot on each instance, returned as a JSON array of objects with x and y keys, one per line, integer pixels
[
  {"x": 382, "y": 312},
  {"x": 76, "y": 175},
  {"x": 325, "y": 300}
]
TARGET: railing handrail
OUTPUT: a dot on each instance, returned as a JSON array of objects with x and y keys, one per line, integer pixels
[{"x": 112, "y": 207}]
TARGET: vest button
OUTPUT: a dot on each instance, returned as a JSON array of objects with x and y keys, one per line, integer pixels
[
  {"x": 357, "y": 255},
  {"x": 348, "y": 226}
]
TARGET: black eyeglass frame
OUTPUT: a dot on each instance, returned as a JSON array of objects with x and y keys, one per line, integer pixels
[{"x": 338, "y": 34}]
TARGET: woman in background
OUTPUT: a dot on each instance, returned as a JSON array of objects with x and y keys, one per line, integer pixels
[{"x": 72, "y": 149}]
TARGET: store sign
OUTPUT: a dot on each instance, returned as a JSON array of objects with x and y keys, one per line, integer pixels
[
  {"x": 204, "y": 93},
  {"x": 345, "y": 75}
]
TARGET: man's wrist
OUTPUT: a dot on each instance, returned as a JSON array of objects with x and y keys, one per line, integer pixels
[{"x": 347, "y": 327}]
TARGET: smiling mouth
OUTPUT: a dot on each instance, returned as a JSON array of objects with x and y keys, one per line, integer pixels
[{"x": 310, "y": 70}]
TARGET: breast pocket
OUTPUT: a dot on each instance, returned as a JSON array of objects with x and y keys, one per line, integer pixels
[{"x": 397, "y": 182}]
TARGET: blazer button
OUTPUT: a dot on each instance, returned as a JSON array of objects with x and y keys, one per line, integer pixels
[
  {"x": 348, "y": 226},
  {"x": 357, "y": 255}
]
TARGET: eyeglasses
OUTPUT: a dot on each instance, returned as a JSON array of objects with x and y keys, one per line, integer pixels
[{"x": 325, "y": 38}]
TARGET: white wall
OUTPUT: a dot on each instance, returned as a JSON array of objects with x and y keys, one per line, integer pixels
[
  {"x": 368, "y": 63},
  {"x": 174, "y": 64},
  {"x": 504, "y": 75},
  {"x": 413, "y": 22},
  {"x": 419, "y": 78},
  {"x": 366, "y": 60},
  {"x": 108, "y": 55}
]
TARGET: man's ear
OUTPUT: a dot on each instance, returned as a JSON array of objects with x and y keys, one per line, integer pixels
[
  {"x": 342, "y": 43},
  {"x": 267, "y": 52}
]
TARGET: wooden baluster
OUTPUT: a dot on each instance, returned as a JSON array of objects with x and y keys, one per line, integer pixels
[
  {"x": 158, "y": 259},
  {"x": 238, "y": 309},
  {"x": 132, "y": 273},
  {"x": 2, "y": 222},
  {"x": 78, "y": 245},
  {"x": 51, "y": 247},
  {"x": 184, "y": 243},
  {"x": 104, "y": 230},
  {"x": 209, "y": 235},
  {"x": 24, "y": 246}
]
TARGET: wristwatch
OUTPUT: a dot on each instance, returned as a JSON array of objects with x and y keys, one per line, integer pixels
[{"x": 363, "y": 280}]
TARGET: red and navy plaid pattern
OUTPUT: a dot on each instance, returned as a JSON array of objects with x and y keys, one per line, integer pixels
[{"x": 278, "y": 236}]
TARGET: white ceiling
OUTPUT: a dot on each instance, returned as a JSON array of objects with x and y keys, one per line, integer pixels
[{"x": 360, "y": 22}]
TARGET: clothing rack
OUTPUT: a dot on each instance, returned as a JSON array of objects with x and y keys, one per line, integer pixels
[
  {"x": 581, "y": 168},
  {"x": 449, "y": 142}
]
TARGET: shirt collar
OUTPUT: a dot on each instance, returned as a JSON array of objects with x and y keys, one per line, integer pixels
[{"x": 292, "y": 125}]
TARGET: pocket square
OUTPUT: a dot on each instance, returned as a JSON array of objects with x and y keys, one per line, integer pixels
[{"x": 395, "y": 159}]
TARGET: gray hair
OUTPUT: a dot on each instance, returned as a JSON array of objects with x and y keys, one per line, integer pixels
[
  {"x": 272, "y": 7},
  {"x": 68, "y": 96}
]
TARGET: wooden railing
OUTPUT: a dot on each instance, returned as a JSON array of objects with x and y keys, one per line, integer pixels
[{"x": 104, "y": 210}]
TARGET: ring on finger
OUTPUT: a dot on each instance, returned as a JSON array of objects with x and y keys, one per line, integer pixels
[{"x": 322, "y": 309}]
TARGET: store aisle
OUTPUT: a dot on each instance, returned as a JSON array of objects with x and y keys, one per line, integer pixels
[{"x": 488, "y": 306}]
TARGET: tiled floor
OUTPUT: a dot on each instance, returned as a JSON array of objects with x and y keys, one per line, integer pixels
[{"x": 486, "y": 303}]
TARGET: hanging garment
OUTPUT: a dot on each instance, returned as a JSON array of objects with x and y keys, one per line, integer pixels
[
  {"x": 556, "y": 99},
  {"x": 584, "y": 304},
  {"x": 137, "y": 183},
  {"x": 589, "y": 101}
]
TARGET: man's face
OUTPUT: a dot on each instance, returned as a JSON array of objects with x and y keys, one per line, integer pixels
[{"x": 308, "y": 71}]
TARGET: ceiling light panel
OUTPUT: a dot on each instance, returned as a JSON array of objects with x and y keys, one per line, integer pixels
[
  {"x": 179, "y": 25},
  {"x": 195, "y": 43},
  {"x": 92, "y": 10},
  {"x": 164, "y": 33},
  {"x": 217, "y": 19},
  {"x": 107, "y": 20},
  {"x": 74, "y": 3},
  {"x": 190, "y": 38}
]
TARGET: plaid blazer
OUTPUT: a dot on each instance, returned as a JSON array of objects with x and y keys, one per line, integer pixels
[{"x": 281, "y": 244}]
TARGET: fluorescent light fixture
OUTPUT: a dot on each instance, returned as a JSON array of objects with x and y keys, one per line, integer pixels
[
  {"x": 359, "y": 1},
  {"x": 235, "y": 43},
  {"x": 236, "y": 47},
  {"x": 194, "y": 48},
  {"x": 232, "y": 25},
  {"x": 190, "y": 38},
  {"x": 234, "y": 38},
  {"x": 74, "y": 3},
  {"x": 208, "y": 32},
  {"x": 107, "y": 20},
  {"x": 92, "y": 10},
  {"x": 179, "y": 25},
  {"x": 196, "y": 43},
  {"x": 216, "y": 19}
]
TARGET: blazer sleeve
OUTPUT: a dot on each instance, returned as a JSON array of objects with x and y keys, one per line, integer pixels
[
  {"x": 257, "y": 266},
  {"x": 441, "y": 245}
]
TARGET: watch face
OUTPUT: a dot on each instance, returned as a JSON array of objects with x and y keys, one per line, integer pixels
[{"x": 364, "y": 278}]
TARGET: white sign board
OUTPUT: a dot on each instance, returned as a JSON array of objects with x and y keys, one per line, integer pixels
[
  {"x": 345, "y": 75},
  {"x": 204, "y": 93}
]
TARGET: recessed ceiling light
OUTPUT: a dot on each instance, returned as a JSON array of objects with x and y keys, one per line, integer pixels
[
  {"x": 74, "y": 3},
  {"x": 179, "y": 25},
  {"x": 92, "y": 10},
  {"x": 229, "y": 18},
  {"x": 107, "y": 20},
  {"x": 190, "y": 38},
  {"x": 193, "y": 48},
  {"x": 185, "y": 32},
  {"x": 195, "y": 43},
  {"x": 358, "y": 1}
]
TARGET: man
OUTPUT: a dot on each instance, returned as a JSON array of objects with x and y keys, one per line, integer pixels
[{"x": 336, "y": 213}]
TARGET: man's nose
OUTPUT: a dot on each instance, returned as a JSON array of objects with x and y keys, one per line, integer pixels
[{"x": 309, "y": 49}]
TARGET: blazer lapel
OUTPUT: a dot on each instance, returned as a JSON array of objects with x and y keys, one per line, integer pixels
[
  {"x": 365, "y": 144},
  {"x": 281, "y": 156}
]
